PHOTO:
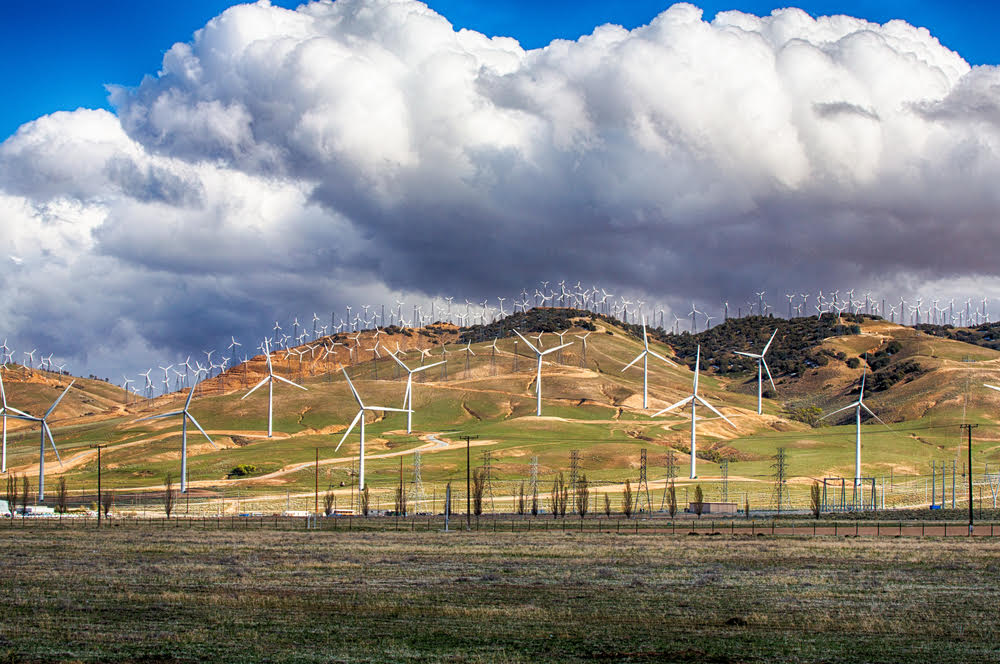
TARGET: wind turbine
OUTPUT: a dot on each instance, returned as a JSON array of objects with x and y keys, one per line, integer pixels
[
  {"x": 694, "y": 400},
  {"x": 858, "y": 406},
  {"x": 269, "y": 379},
  {"x": 185, "y": 416},
  {"x": 538, "y": 373},
  {"x": 408, "y": 396},
  {"x": 761, "y": 367},
  {"x": 644, "y": 356},
  {"x": 361, "y": 416},
  {"x": 46, "y": 431}
]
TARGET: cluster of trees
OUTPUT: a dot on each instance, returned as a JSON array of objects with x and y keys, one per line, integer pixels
[
  {"x": 986, "y": 335},
  {"x": 533, "y": 320}
]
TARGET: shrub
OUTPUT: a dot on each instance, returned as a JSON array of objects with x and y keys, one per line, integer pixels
[
  {"x": 853, "y": 363},
  {"x": 243, "y": 470}
]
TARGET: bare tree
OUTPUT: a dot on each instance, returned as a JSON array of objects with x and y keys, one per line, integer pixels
[
  {"x": 672, "y": 500},
  {"x": 698, "y": 503},
  {"x": 534, "y": 499},
  {"x": 627, "y": 499},
  {"x": 107, "y": 501},
  {"x": 478, "y": 487},
  {"x": 61, "y": 496},
  {"x": 400, "y": 500},
  {"x": 11, "y": 493},
  {"x": 365, "y": 501},
  {"x": 329, "y": 502},
  {"x": 607, "y": 505},
  {"x": 563, "y": 497},
  {"x": 814, "y": 501},
  {"x": 582, "y": 496},
  {"x": 746, "y": 506},
  {"x": 554, "y": 496},
  {"x": 521, "y": 503},
  {"x": 25, "y": 491},
  {"x": 169, "y": 497}
]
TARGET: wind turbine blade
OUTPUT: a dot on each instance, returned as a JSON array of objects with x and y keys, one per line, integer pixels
[
  {"x": 676, "y": 405},
  {"x": 715, "y": 410},
  {"x": 697, "y": 366},
  {"x": 552, "y": 350},
  {"x": 399, "y": 361},
  {"x": 190, "y": 395},
  {"x": 3, "y": 393},
  {"x": 645, "y": 340},
  {"x": 637, "y": 358},
  {"x": 992, "y": 387},
  {"x": 160, "y": 417},
  {"x": 764, "y": 362},
  {"x": 53, "y": 407},
  {"x": 351, "y": 385},
  {"x": 768, "y": 345},
  {"x": 840, "y": 410},
  {"x": 285, "y": 380},
  {"x": 49, "y": 432},
  {"x": 870, "y": 412},
  {"x": 425, "y": 367},
  {"x": 526, "y": 341},
  {"x": 195, "y": 422},
  {"x": 385, "y": 408},
  {"x": 660, "y": 357},
  {"x": 350, "y": 428},
  {"x": 24, "y": 414},
  {"x": 864, "y": 374},
  {"x": 254, "y": 388},
  {"x": 753, "y": 355}
]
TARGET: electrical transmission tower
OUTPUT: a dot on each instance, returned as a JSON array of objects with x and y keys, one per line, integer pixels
[
  {"x": 643, "y": 485},
  {"x": 418, "y": 486},
  {"x": 488, "y": 475},
  {"x": 725, "y": 480},
  {"x": 671, "y": 475},
  {"x": 780, "y": 496},
  {"x": 574, "y": 469}
]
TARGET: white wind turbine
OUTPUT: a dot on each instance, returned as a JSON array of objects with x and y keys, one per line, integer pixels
[
  {"x": 858, "y": 406},
  {"x": 408, "y": 396},
  {"x": 269, "y": 379},
  {"x": 761, "y": 367},
  {"x": 362, "y": 408},
  {"x": 538, "y": 373},
  {"x": 644, "y": 356},
  {"x": 46, "y": 431},
  {"x": 694, "y": 400},
  {"x": 185, "y": 416}
]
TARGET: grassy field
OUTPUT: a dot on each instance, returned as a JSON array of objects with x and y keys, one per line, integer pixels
[{"x": 155, "y": 595}]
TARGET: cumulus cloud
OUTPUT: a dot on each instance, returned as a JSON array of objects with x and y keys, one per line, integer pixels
[{"x": 285, "y": 161}]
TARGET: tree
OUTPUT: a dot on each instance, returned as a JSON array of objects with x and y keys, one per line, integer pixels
[
  {"x": 61, "y": 496},
  {"x": 698, "y": 503},
  {"x": 582, "y": 496},
  {"x": 746, "y": 506},
  {"x": 814, "y": 501},
  {"x": 554, "y": 496},
  {"x": 25, "y": 491},
  {"x": 169, "y": 497},
  {"x": 365, "y": 498},
  {"x": 672, "y": 500},
  {"x": 607, "y": 506},
  {"x": 627, "y": 500},
  {"x": 534, "y": 499},
  {"x": 400, "y": 500},
  {"x": 11, "y": 493},
  {"x": 478, "y": 487},
  {"x": 107, "y": 500},
  {"x": 563, "y": 497},
  {"x": 521, "y": 499},
  {"x": 329, "y": 502}
]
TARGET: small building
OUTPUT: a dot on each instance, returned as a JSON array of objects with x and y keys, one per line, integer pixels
[
  {"x": 39, "y": 510},
  {"x": 4, "y": 508},
  {"x": 714, "y": 508}
]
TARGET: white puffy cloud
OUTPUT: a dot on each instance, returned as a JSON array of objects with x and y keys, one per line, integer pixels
[{"x": 289, "y": 161}]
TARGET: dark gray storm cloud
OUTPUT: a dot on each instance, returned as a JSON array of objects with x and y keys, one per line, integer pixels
[{"x": 285, "y": 162}]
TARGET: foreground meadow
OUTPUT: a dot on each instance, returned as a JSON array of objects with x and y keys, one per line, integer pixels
[{"x": 140, "y": 594}]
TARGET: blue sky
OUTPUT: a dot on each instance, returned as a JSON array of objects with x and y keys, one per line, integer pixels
[{"x": 60, "y": 58}]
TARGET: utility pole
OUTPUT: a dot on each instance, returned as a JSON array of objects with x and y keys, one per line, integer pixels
[
  {"x": 316, "y": 484},
  {"x": 98, "y": 448},
  {"x": 725, "y": 480},
  {"x": 968, "y": 428},
  {"x": 468, "y": 481}
]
